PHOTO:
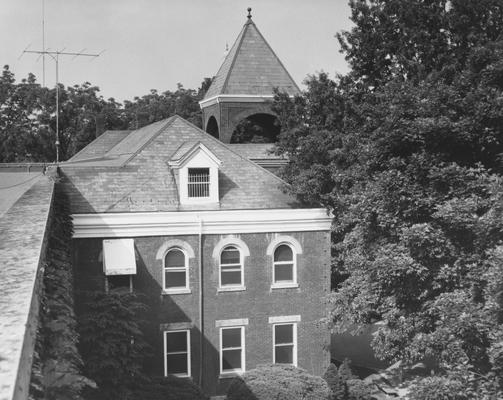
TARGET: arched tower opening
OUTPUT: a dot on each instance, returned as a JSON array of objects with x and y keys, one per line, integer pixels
[
  {"x": 257, "y": 128},
  {"x": 212, "y": 127}
]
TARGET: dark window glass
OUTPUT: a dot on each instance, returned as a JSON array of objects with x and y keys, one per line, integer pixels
[
  {"x": 284, "y": 334},
  {"x": 283, "y": 253},
  {"x": 119, "y": 282},
  {"x": 176, "y": 341},
  {"x": 231, "y": 359},
  {"x": 175, "y": 259},
  {"x": 231, "y": 337},
  {"x": 175, "y": 279},
  {"x": 283, "y": 272},
  {"x": 177, "y": 364},
  {"x": 231, "y": 278},
  {"x": 284, "y": 354},
  {"x": 230, "y": 255}
]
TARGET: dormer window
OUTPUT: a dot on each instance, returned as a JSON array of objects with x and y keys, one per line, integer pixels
[
  {"x": 197, "y": 174},
  {"x": 199, "y": 182}
]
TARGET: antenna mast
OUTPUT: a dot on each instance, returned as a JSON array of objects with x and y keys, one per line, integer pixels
[
  {"x": 43, "y": 42},
  {"x": 55, "y": 56}
]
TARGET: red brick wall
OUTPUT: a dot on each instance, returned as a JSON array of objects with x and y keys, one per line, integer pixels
[{"x": 257, "y": 303}]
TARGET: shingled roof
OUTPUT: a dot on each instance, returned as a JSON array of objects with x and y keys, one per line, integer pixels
[
  {"x": 135, "y": 175},
  {"x": 251, "y": 68}
]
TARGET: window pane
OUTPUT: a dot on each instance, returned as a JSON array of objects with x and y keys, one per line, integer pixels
[
  {"x": 174, "y": 259},
  {"x": 231, "y": 278},
  {"x": 231, "y": 359},
  {"x": 283, "y": 272},
  {"x": 231, "y": 337},
  {"x": 174, "y": 279},
  {"x": 230, "y": 255},
  {"x": 284, "y": 354},
  {"x": 176, "y": 341},
  {"x": 199, "y": 182},
  {"x": 283, "y": 334},
  {"x": 283, "y": 253},
  {"x": 177, "y": 363}
]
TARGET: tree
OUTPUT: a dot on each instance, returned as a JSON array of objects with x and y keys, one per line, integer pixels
[
  {"x": 407, "y": 154},
  {"x": 28, "y": 116}
]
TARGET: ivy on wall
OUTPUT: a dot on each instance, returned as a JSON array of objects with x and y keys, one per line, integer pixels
[{"x": 57, "y": 367}]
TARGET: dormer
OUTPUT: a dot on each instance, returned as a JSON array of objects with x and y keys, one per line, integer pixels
[{"x": 197, "y": 170}]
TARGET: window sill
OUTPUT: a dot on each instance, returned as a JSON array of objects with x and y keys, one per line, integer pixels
[
  {"x": 176, "y": 291},
  {"x": 231, "y": 289},
  {"x": 291, "y": 285},
  {"x": 230, "y": 374}
]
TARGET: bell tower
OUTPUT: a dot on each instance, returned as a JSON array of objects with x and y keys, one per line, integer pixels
[{"x": 243, "y": 86}]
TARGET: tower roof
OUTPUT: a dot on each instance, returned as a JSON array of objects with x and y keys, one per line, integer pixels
[{"x": 251, "y": 68}]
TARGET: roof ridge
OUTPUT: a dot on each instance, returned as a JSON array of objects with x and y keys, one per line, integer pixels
[
  {"x": 234, "y": 152},
  {"x": 241, "y": 38},
  {"x": 168, "y": 120}
]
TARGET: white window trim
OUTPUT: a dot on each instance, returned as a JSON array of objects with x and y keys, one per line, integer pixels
[
  {"x": 166, "y": 353},
  {"x": 243, "y": 352},
  {"x": 294, "y": 324},
  {"x": 231, "y": 288},
  {"x": 178, "y": 290},
  {"x": 285, "y": 284}
]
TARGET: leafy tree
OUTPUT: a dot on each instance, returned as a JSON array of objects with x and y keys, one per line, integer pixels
[
  {"x": 112, "y": 342},
  {"x": 28, "y": 116},
  {"x": 406, "y": 151}
]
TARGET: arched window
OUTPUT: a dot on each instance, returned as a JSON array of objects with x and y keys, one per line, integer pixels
[
  {"x": 284, "y": 271},
  {"x": 176, "y": 271},
  {"x": 231, "y": 268}
]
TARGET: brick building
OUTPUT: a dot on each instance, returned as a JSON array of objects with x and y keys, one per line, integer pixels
[{"x": 239, "y": 267}]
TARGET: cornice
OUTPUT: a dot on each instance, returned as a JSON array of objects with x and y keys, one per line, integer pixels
[{"x": 193, "y": 222}]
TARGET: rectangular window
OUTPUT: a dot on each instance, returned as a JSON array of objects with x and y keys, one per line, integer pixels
[
  {"x": 177, "y": 353},
  {"x": 285, "y": 344},
  {"x": 232, "y": 349},
  {"x": 199, "y": 182}
]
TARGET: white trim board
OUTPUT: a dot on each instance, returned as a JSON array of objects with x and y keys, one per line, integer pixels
[{"x": 104, "y": 225}]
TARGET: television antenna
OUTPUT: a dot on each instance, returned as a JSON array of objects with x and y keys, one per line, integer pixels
[{"x": 55, "y": 56}]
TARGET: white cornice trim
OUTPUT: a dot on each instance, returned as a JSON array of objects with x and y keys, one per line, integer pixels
[
  {"x": 237, "y": 98},
  {"x": 192, "y": 222}
]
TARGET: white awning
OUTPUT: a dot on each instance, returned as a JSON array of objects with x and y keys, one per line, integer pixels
[{"x": 119, "y": 257}]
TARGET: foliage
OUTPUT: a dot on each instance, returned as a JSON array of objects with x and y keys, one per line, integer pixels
[
  {"x": 344, "y": 385},
  {"x": 28, "y": 115},
  {"x": 281, "y": 382},
  {"x": 58, "y": 367},
  {"x": 406, "y": 151},
  {"x": 170, "y": 388},
  {"x": 113, "y": 344}
]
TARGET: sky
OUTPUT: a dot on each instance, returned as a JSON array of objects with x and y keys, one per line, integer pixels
[{"x": 156, "y": 44}]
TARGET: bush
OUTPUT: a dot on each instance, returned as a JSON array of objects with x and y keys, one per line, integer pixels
[
  {"x": 344, "y": 385},
  {"x": 279, "y": 382},
  {"x": 170, "y": 388},
  {"x": 438, "y": 388}
]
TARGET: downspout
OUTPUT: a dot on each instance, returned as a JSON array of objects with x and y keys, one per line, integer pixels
[{"x": 201, "y": 315}]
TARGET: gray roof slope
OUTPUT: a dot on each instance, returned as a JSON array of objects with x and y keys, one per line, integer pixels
[
  {"x": 98, "y": 147},
  {"x": 251, "y": 68},
  {"x": 144, "y": 181}
]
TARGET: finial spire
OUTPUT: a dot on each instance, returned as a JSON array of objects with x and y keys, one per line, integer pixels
[{"x": 249, "y": 12}]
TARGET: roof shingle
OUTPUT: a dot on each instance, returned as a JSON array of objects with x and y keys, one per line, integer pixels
[{"x": 251, "y": 68}]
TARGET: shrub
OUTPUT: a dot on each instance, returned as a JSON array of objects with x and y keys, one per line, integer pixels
[
  {"x": 344, "y": 385},
  {"x": 170, "y": 388},
  {"x": 279, "y": 382}
]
